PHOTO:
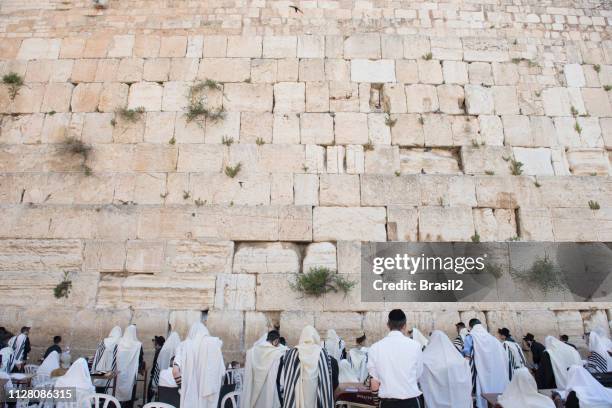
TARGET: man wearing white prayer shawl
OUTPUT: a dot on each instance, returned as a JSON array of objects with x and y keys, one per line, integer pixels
[
  {"x": 49, "y": 364},
  {"x": 334, "y": 345},
  {"x": 490, "y": 362},
  {"x": 20, "y": 345},
  {"x": 200, "y": 363},
  {"x": 562, "y": 357},
  {"x": 516, "y": 358},
  {"x": 305, "y": 377},
  {"x": 419, "y": 337},
  {"x": 105, "y": 359},
  {"x": 78, "y": 377},
  {"x": 589, "y": 392},
  {"x": 167, "y": 352},
  {"x": 6, "y": 359},
  {"x": 260, "y": 372},
  {"x": 358, "y": 358},
  {"x": 129, "y": 357},
  {"x": 446, "y": 380},
  {"x": 522, "y": 392},
  {"x": 599, "y": 359}
]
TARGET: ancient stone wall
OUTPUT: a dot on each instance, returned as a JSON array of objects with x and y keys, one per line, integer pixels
[{"x": 365, "y": 120}]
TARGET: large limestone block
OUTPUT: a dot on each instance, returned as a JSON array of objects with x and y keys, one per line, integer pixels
[
  {"x": 235, "y": 292},
  {"x": 505, "y": 100},
  {"x": 585, "y": 162},
  {"x": 575, "y": 224},
  {"x": 445, "y": 224},
  {"x": 597, "y": 102},
  {"x": 406, "y": 71},
  {"x": 247, "y": 46},
  {"x": 151, "y": 292},
  {"x": 198, "y": 256},
  {"x": 113, "y": 96},
  {"x": 382, "y": 160},
  {"x": 311, "y": 46},
  {"x": 306, "y": 189},
  {"x": 248, "y": 97},
  {"x": 337, "y": 223},
  {"x": 289, "y": 97},
  {"x": 479, "y": 100},
  {"x": 225, "y": 69},
  {"x": 247, "y": 189},
  {"x": 320, "y": 254},
  {"x": 389, "y": 190},
  {"x": 574, "y": 76},
  {"x": 147, "y": 95},
  {"x": 274, "y": 257},
  {"x": 500, "y": 192},
  {"x": 362, "y": 46},
  {"x": 485, "y": 49},
  {"x": 536, "y": 162},
  {"x": 430, "y": 71},
  {"x": 39, "y": 48},
  {"x": 557, "y": 102},
  {"x": 57, "y": 97},
  {"x": 85, "y": 97},
  {"x": 200, "y": 157},
  {"x": 315, "y": 128},
  {"x": 421, "y": 98},
  {"x": 351, "y": 128},
  {"x": 402, "y": 223},
  {"x": 505, "y": 73},
  {"x": 260, "y": 223},
  {"x": 430, "y": 161},
  {"x": 349, "y": 257},
  {"x": 144, "y": 256},
  {"x": 374, "y": 71},
  {"x": 281, "y": 189},
  {"x": 485, "y": 159},
  {"x": 447, "y": 190},
  {"x": 274, "y": 293},
  {"x": 21, "y": 129},
  {"x": 540, "y": 323},
  {"x": 495, "y": 225},
  {"x": 339, "y": 190},
  {"x": 455, "y": 72},
  {"x": 451, "y": 98},
  {"x": 317, "y": 97},
  {"x": 355, "y": 159},
  {"x": 279, "y": 46},
  {"x": 408, "y": 130},
  {"x": 286, "y": 128}
]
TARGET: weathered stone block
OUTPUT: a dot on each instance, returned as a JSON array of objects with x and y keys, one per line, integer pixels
[
  {"x": 351, "y": 128},
  {"x": 85, "y": 97},
  {"x": 306, "y": 189},
  {"x": 248, "y": 97},
  {"x": 334, "y": 224},
  {"x": 279, "y": 46},
  {"x": 479, "y": 100},
  {"x": 244, "y": 46},
  {"x": 451, "y": 98},
  {"x": 274, "y": 257},
  {"x": 320, "y": 254},
  {"x": 402, "y": 223},
  {"x": 430, "y": 71},
  {"x": 339, "y": 190},
  {"x": 536, "y": 162},
  {"x": 225, "y": 69},
  {"x": 363, "y": 70},
  {"x": 455, "y": 72},
  {"x": 445, "y": 224},
  {"x": 235, "y": 292},
  {"x": 505, "y": 100},
  {"x": 421, "y": 98},
  {"x": 145, "y": 94},
  {"x": 289, "y": 97},
  {"x": 362, "y": 46}
]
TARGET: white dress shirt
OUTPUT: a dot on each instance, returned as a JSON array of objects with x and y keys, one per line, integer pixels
[{"x": 397, "y": 362}]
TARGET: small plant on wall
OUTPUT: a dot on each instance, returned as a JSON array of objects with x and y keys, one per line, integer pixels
[
  {"x": 319, "y": 281},
  {"x": 14, "y": 81},
  {"x": 543, "y": 275},
  {"x": 197, "y": 110},
  {"x": 62, "y": 289},
  {"x": 75, "y": 147}
]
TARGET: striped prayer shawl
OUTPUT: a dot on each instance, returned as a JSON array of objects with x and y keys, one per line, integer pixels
[
  {"x": 18, "y": 349},
  {"x": 99, "y": 352},
  {"x": 596, "y": 363},
  {"x": 291, "y": 376},
  {"x": 514, "y": 363},
  {"x": 458, "y": 342}
]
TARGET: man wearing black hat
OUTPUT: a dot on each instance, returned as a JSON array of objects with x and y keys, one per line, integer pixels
[{"x": 536, "y": 349}]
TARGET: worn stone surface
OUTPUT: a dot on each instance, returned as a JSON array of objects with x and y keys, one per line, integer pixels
[{"x": 274, "y": 140}]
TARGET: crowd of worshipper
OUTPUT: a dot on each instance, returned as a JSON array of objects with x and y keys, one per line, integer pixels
[{"x": 405, "y": 369}]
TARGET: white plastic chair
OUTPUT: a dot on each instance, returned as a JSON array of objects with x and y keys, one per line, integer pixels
[
  {"x": 231, "y": 396},
  {"x": 99, "y": 401},
  {"x": 30, "y": 368},
  {"x": 158, "y": 405}
]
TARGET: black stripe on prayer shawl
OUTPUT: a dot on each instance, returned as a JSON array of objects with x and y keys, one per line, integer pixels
[
  {"x": 596, "y": 363},
  {"x": 512, "y": 363},
  {"x": 98, "y": 356},
  {"x": 113, "y": 368},
  {"x": 473, "y": 370},
  {"x": 458, "y": 343},
  {"x": 292, "y": 373},
  {"x": 155, "y": 375},
  {"x": 18, "y": 354}
]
